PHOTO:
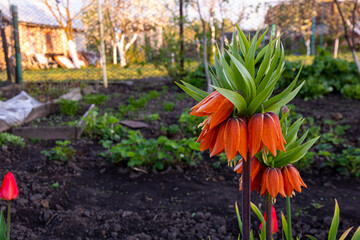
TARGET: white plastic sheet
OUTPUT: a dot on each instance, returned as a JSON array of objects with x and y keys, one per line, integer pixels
[{"x": 15, "y": 110}]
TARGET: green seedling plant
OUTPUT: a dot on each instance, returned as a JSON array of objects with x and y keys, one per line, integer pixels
[
  {"x": 105, "y": 127},
  {"x": 68, "y": 107},
  {"x": 135, "y": 150},
  {"x": 61, "y": 152},
  {"x": 96, "y": 99},
  {"x": 7, "y": 139},
  {"x": 168, "y": 106}
]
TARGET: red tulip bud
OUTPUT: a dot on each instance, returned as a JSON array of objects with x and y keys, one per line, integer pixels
[
  {"x": 9, "y": 190},
  {"x": 274, "y": 221}
]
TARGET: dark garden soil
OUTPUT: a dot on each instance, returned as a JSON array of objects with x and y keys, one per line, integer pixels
[{"x": 89, "y": 198}]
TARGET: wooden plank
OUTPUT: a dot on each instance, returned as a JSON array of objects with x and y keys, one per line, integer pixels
[
  {"x": 64, "y": 62},
  {"x": 134, "y": 124},
  {"x": 47, "y": 133},
  {"x": 41, "y": 111},
  {"x": 3, "y": 126}
]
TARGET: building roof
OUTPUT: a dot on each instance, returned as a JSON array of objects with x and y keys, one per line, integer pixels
[{"x": 36, "y": 12}]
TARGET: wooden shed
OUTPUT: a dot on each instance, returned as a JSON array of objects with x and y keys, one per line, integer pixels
[{"x": 39, "y": 33}]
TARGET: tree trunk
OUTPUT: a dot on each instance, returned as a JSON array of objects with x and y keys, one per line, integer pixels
[
  {"x": 208, "y": 80},
  {"x": 307, "y": 44},
  {"x": 355, "y": 59},
  {"x": 121, "y": 49},
  {"x": 114, "y": 54},
  {"x": 212, "y": 29},
  {"x": 181, "y": 26},
  {"x": 222, "y": 37},
  {"x": 336, "y": 47},
  {"x": 73, "y": 53}
]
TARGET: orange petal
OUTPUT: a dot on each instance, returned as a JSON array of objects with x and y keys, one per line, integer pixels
[
  {"x": 223, "y": 112},
  {"x": 264, "y": 181},
  {"x": 269, "y": 137},
  {"x": 204, "y": 130},
  {"x": 277, "y": 124},
  {"x": 232, "y": 138},
  {"x": 205, "y": 100},
  {"x": 243, "y": 143},
  {"x": 272, "y": 182},
  {"x": 294, "y": 178},
  {"x": 255, "y": 132},
  {"x": 255, "y": 167},
  {"x": 288, "y": 188},
  {"x": 219, "y": 143},
  {"x": 239, "y": 167},
  {"x": 208, "y": 140},
  {"x": 281, "y": 183},
  {"x": 212, "y": 105}
]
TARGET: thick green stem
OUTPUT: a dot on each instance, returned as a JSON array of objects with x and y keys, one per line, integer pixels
[
  {"x": 246, "y": 198},
  {"x": 269, "y": 226},
  {"x": 8, "y": 221},
  {"x": 288, "y": 212}
]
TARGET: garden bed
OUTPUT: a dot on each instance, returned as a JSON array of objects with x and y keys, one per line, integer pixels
[
  {"x": 52, "y": 125},
  {"x": 90, "y": 198}
]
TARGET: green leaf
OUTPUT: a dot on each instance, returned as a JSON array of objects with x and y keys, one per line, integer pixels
[
  {"x": 261, "y": 38},
  {"x": 194, "y": 146},
  {"x": 356, "y": 234},
  {"x": 293, "y": 155},
  {"x": 335, "y": 223},
  {"x": 257, "y": 213},
  {"x": 261, "y": 54},
  {"x": 238, "y": 217},
  {"x": 229, "y": 73},
  {"x": 293, "y": 130},
  {"x": 212, "y": 75},
  {"x": 235, "y": 98},
  {"x": 262, "y": 96},
  {"x": 235, "y": 50},
  {"x": 194, "y": 92},
  {"x": 223, "y": 81},
  {"x": 344, "y": 235},
  {"x": 2, "y": 226},
  {"x": 286, "y": 92},
  {"x": 284, "y": 225},
  {"x": 268, "y": 73},
  {"x": 261, "y": 218},
  {"x": 246, "y": 80},
  {"x": 213, "y": 78},
  {"x": 244, "y": 44},
  {"x": 311, "y": 237},
  {"x": 250, "y": 57},
  {"x": 265, "y": 63},
  {"x": 271, "y": 107}
]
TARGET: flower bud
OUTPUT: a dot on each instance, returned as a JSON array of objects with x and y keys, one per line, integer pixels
[{"x": 284, "y": 110}]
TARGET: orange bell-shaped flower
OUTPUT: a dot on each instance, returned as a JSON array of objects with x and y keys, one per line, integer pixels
[
  {"x": 265, "y": 130},
  {"x": 292, "y": 180},
  {"x": 272, "y": 182},
  {"x": 216, "y": 106},
  {"x": 256, "y": 173},
  {"x": 9, "y": 190},
  {"x": 229, "y": 136}
]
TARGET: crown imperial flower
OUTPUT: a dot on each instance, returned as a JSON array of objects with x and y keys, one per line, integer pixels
[
  {"x": 265, "y": 131},
  {"x": 216, "y": 106},
  {"x": 292, "y": 180}
]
